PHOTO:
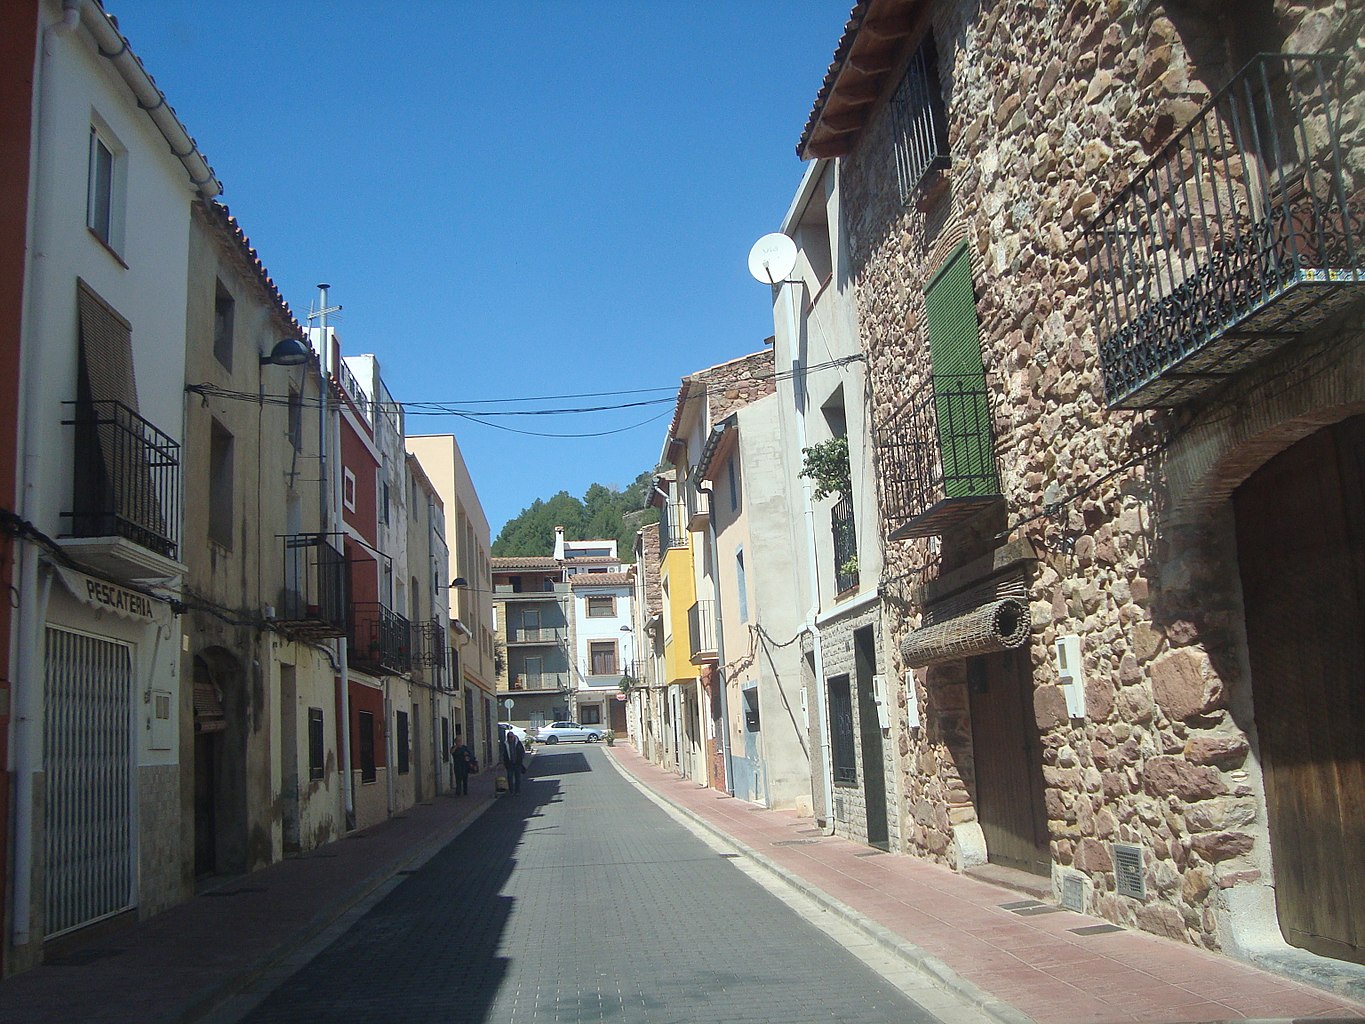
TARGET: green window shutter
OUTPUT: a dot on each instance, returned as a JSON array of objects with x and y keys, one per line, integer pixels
[{"x": 964, "y": 436}]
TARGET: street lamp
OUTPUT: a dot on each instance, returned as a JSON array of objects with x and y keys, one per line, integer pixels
[{"x": 287, "y": 352}]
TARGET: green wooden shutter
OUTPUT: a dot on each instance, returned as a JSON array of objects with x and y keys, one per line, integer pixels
[{"x": 964, "y": 436}]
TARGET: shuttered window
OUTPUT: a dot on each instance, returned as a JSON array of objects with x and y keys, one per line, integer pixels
[{"x": 960, "y": 405}]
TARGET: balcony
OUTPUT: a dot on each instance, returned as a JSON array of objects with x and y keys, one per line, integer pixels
[
  {"x": 126, "y": 494},
  {"x": 701, "y": 632},
  {"x": 698, "y": 508},
  {"x": 380, "y": 640},
  {"x": 430, "y": 642},
  {"x": 540, "y": 682},
  {"x": 504, "y": 592},
  {"x": 312, "y": 603},
  {"x": 672, "y": 526},
  {"x": 938, "y": 461},
  {"x": 845, "y": 536},
  {"x": 1241, "y": 234},
  {"x": 533, "y": 635},
  {"x": 351, "y": 386}
]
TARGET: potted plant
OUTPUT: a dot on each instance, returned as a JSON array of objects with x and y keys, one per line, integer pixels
[{"x": 827, "y": 464}]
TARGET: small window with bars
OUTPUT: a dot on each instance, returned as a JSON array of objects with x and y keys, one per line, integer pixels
[
  {"x": 315, "y": 743},
  {"x": 919, "y": 120},
  {"x": 843, "y": 756}
]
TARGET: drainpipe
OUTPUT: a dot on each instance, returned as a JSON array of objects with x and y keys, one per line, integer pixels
[
  {"x": 799, "y": 399},
  {"x": 329, "y": 449},
  {"x": 32, "y": 585}
]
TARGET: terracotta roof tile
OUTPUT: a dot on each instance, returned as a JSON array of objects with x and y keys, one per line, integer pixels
[{"x": 602, "y": 579}]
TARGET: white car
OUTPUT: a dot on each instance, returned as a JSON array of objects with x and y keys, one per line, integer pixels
[
  {"x": 556, "y": 731},
  {"x": 516, "y": 731}
]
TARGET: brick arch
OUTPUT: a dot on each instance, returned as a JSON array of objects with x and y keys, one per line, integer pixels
[{"x": 1270, "y": 411}]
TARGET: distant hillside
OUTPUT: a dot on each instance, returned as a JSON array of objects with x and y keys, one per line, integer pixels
[{"x": 604, "y": 513}]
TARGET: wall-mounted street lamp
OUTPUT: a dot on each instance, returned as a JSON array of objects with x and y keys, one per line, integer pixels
[{"x": 287, "y": 352}]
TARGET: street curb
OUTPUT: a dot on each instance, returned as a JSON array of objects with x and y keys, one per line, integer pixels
[
  {"x": 936, "y": 970},
  {"x": 210, "y": 1000}
]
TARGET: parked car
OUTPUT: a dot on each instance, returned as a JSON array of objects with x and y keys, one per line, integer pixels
[
  {"x": 516, "y": 731},
  {"x": 556, "y": 731}
]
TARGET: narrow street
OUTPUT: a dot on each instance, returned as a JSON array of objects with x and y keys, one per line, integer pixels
[{"x": 580, "y": 900}]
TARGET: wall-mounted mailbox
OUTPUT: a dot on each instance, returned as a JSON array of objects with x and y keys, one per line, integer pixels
[{"x": 879, "y": 696}]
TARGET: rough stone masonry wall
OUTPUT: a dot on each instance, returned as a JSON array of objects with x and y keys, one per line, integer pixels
[
  {"x": 735, "y": 384},
  {"x": 1052, "y": 109}
]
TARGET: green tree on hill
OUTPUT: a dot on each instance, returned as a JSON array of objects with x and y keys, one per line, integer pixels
[{"x": 604, "y": 513}]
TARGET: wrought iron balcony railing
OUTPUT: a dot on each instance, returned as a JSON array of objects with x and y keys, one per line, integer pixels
[
  {"x": 938, "y": 456},
  {"x": 536, "y": 635},
  {"x": 845, "y": 546},
  {"x": 380, "y": 640},
  {"x": 672, "y": 526},
  {"x": 312, "y": 600},
  {"x": 127, "y": 478},
  {"x": 701, "y": 631},
  {"x": 430, "y": 640},
  {"x": 1245, "y": 230},
  {"x": 351, "y": 386}
]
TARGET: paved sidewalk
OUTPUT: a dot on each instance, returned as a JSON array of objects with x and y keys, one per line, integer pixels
[
  {"x": 995, "y": 947},
  {"x": 177, "y": 966}
]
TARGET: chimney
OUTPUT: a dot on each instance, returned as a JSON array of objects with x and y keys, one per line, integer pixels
[{"x": 559, "y": 543}]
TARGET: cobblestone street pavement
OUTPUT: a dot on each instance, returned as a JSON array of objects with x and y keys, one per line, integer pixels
[{"x": 580, "y": 900}]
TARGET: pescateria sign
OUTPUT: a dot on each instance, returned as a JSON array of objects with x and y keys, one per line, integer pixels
[{"x": 106, "y": 596}]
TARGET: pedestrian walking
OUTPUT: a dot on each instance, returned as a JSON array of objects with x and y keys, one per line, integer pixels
[
  {"x": 465, "y": 763},
  {"x": 513, "y": 759}
]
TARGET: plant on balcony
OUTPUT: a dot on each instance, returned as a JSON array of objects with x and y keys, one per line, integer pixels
[
  {"x": 827, "y": 464},
  {"x": 850, "y": 567}
]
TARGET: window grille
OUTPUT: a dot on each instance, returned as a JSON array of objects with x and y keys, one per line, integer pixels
[{"x": 919, "y": 120}]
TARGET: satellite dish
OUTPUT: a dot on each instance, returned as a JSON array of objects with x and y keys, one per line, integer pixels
[{"x": 772, "y": 258}]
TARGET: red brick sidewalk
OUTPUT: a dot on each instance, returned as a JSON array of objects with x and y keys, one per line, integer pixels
[
  {"x": 177, "y": 966},
  {"x": 1037, "y": 962}
]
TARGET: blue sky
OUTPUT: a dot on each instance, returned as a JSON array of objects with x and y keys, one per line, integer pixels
[{"x": 509, "y": 200}]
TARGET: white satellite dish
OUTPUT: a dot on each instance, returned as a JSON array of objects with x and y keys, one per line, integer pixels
[{"x": 772, "y": 258}]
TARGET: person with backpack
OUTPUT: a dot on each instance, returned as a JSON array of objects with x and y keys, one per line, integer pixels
[
  {"x": 465, "y": 763},
  {"x": 513, "y": 759}
]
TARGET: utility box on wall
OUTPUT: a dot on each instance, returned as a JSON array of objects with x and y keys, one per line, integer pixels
[{"x": 1069, "y": 677}]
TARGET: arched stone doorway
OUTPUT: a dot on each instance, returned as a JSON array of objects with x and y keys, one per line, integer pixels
[{"x": 1301, "y": 550}]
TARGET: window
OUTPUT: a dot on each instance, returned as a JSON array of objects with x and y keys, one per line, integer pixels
[
  {"x": 400, "y": 728},
  {"x": 734, "y": 483},
  {"x": 296, "y": 419},
  {"x": 220, "y": 485},
  {"x": 315, "y": 743},
  {"x": 445, "y": 738},
  {"x": 601, "y": 606},
  {"x": 387, "y": 499},
  {"x": 348, "y": 489},
  {"x": 365, "y": 723},
  {"x": 961, "y": 408},
  {"x": 592, "y": 714},
  {"x": 920, "y": 124},
  {"x": 104, "y": 206},
  {"x": 741, "y": 586},
  {"x": 841, "y": 732},
  {"x": 224, "y": 312},
  {"x": 603, "y": 655},
  {"x": 751, "y": 720}
]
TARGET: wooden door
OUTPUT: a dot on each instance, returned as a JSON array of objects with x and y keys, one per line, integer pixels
[
  {"x": 1301, "y": 548},
  {"x": 1008, "y": 757},
  {"x": 870, "y": 735}
]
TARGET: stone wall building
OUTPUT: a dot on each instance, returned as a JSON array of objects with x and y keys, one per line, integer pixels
[{"x": 1108, "y": 265}]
